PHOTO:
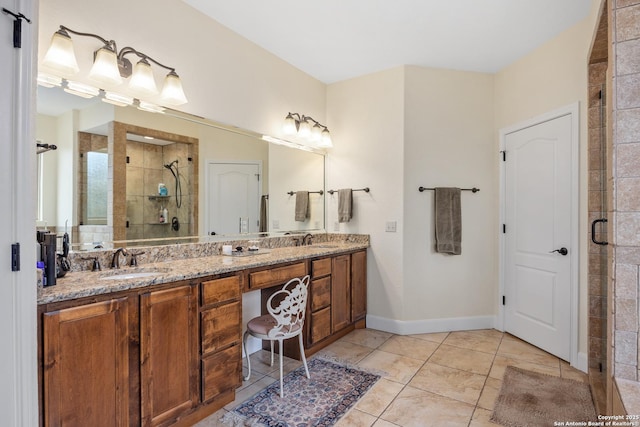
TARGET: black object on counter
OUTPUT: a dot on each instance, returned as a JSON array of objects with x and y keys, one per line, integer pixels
[{"x": 48, "y": 251}]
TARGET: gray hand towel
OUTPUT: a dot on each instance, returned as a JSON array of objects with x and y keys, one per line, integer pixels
[
  {"x": 345, "y": 205},
  {"x": 263, "y": 213},
  {"x": 302, "y": 205},
  {"x": 448, "y": 221}
]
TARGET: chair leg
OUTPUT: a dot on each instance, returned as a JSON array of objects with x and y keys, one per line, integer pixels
[
  {"x": 271, "y": 342},
  {"x": 304, "y": 359},
  {"x": 244, "y": 348},
  {"x": 281, "y": 386}
]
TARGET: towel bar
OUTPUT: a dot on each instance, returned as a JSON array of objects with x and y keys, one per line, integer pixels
[
  {"x": 365, "y": 189},
  {"x": 474, "y": 189},
  {"x": 321, "y": 192}
]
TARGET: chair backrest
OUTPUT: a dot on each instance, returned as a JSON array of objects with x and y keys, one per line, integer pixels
[{"x": 292, "y": 304}]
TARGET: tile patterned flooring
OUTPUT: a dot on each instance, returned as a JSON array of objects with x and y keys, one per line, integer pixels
[{"x": 439, "y": 379}]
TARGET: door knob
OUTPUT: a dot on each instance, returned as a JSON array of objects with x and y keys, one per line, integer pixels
[{"x": 561, "y": 251}]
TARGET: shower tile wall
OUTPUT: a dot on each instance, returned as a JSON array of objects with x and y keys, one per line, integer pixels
[
  {"x": 625, "y": 199},
  {"x": 145, "y": 171}
]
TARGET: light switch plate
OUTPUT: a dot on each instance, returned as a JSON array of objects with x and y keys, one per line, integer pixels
[{"x": 391, "y": 226}]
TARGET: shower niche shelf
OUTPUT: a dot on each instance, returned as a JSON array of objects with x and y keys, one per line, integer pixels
[{"x": 158, "y": 197}]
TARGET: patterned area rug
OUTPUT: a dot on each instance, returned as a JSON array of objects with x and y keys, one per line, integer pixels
[
  {"x": 532, "y": 399},
  {"x": 320, "y": 401}
]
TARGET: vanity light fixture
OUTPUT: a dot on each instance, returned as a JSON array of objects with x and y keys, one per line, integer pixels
[
  {"x": 110, "y": 68},
  {"x": 300, "y": 125}
]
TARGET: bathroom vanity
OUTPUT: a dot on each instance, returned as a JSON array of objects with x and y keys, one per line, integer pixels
[{"x": 161, "y": 344}]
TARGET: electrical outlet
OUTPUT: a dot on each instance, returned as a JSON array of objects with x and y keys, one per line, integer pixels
[
  {"x": 276, "y": 224},
  {"x": 336, "y": 226},
  {"x": 391, "y": 226}
]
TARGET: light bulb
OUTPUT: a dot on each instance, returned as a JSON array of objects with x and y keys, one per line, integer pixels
[
  {"x": 172, "y": 92},
  {"x": 152, "y": 108},
  {"x": 60, "y": 56},
  {"x": 289, "y": 125},
  {"x": 316, "y": 133},
  {"x": 117, "y": 99},
  {"x": 305, "y": 129},
  {"x": 81, "y": 89},
  {"x": 325, "y": 141},
  {"x": 105, "y": 67},
  {"x": 142, "y": 81},
  {"x": 49, "y": 80}
]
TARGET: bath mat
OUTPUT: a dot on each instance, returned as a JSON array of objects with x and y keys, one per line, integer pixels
[
  {"x": 320, "y": 401},
  {"x": 532, "y": 399}
]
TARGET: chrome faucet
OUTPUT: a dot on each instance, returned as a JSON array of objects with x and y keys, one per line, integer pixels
[
  {"x": 115, "y": 261},
  {"x": 306, "y": 240}
]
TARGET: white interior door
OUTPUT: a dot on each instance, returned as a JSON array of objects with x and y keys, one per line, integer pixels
[
  {"x": 233, "y": 197},
  {"x": 538, "y": 237}
]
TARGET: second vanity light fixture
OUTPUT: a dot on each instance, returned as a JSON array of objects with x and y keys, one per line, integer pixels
[
  {"x": 301, "y": 125},
  {"x": 109, "y": 69}
]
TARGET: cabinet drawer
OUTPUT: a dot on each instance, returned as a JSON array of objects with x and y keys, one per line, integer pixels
[
  {"x": 221, "y": 290},
  {"x": 221, "y": 372},
  {"x": 220, "y": 327},
  {"x": 320, "y": 324},
  {"x": 276, "y": 276},
  {"x": 320, "y": 293},
  {"x": 321, "y": 267}
]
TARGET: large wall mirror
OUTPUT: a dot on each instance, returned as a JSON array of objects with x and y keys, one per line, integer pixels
[{"x": 128, "y": 176}]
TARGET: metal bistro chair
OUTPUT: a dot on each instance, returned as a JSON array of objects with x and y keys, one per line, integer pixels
[{"x": 283, "y": 321}]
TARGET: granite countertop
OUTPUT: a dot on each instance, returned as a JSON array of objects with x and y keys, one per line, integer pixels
[{"x": 87, "y": 283}]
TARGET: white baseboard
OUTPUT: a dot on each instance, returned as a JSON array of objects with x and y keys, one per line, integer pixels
[{"x": 402, "y": 327}]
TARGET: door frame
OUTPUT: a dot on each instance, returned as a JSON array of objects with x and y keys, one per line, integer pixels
[
  {"x": 19, "y": 324},
  {"x": 208, "y": 162},
  {"x": 572, "y": 110}
]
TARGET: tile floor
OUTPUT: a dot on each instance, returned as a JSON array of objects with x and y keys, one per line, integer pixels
[{"x": 443, "y": 379}]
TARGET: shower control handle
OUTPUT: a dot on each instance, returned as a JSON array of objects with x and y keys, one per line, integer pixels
[{"x": 561, "y": 251}]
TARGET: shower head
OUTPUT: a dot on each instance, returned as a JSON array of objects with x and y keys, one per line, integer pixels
[{"x": 170, "y": 165}]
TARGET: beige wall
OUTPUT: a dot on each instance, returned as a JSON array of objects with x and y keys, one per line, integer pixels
[
  {"x": 366, "y": 117},
  {"x": 449, "y": 143}
]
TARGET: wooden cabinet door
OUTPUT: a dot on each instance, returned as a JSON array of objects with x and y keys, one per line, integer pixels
[
  {"x": 358, "y": 285},
  {"x": 168, "y": 353},
  {"x": 340, "y": 292},
  {"x": 86, "y": 371}
]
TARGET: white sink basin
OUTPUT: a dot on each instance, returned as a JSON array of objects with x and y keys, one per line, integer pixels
[{"x": 133, "y": 275}]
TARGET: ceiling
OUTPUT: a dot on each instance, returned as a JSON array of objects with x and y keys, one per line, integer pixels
[{"x": 334, "y": 40}]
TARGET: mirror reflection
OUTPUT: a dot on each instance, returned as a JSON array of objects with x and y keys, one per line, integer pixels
[{"x": 135, "y": 177}]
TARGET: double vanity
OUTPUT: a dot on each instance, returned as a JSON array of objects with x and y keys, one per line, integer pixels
[{"x": 160, "y": 344}]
